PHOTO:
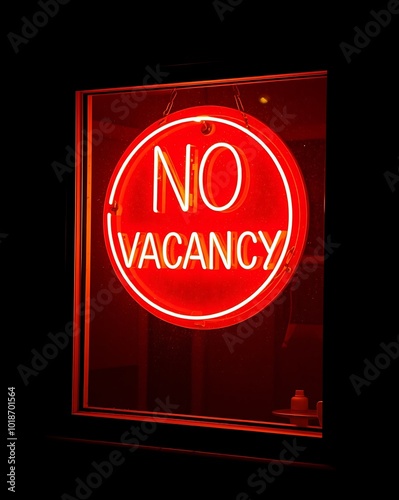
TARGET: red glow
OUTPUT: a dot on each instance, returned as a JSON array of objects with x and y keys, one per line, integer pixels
[
  {"x": 205, "y": 219},
  {"x": 219, "y": 210}
]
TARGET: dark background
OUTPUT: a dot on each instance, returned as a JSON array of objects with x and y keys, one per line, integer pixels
[{"x": 94, "y": 45}]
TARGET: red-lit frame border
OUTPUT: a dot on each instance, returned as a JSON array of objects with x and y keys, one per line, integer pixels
[{"x": 82, "y": 258}]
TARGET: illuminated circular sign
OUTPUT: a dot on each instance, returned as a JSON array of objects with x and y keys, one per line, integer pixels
[{"x": 206, "y": 217}]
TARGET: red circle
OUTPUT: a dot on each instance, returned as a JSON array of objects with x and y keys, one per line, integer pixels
[{"x": 206, "y": 217}]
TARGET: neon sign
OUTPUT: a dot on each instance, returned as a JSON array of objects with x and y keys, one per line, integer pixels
[{"x": 206, "y": 217}]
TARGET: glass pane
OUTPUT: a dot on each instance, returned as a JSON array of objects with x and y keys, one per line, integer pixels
[{"x": 200, "y": 250}]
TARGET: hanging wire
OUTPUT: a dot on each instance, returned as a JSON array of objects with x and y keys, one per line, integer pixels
[
  {"x": 169, "y": 105},
  {"x": 239, "y": 104}
]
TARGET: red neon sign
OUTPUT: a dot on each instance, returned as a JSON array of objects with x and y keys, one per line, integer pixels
[{"x": 206, "y": 217}]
